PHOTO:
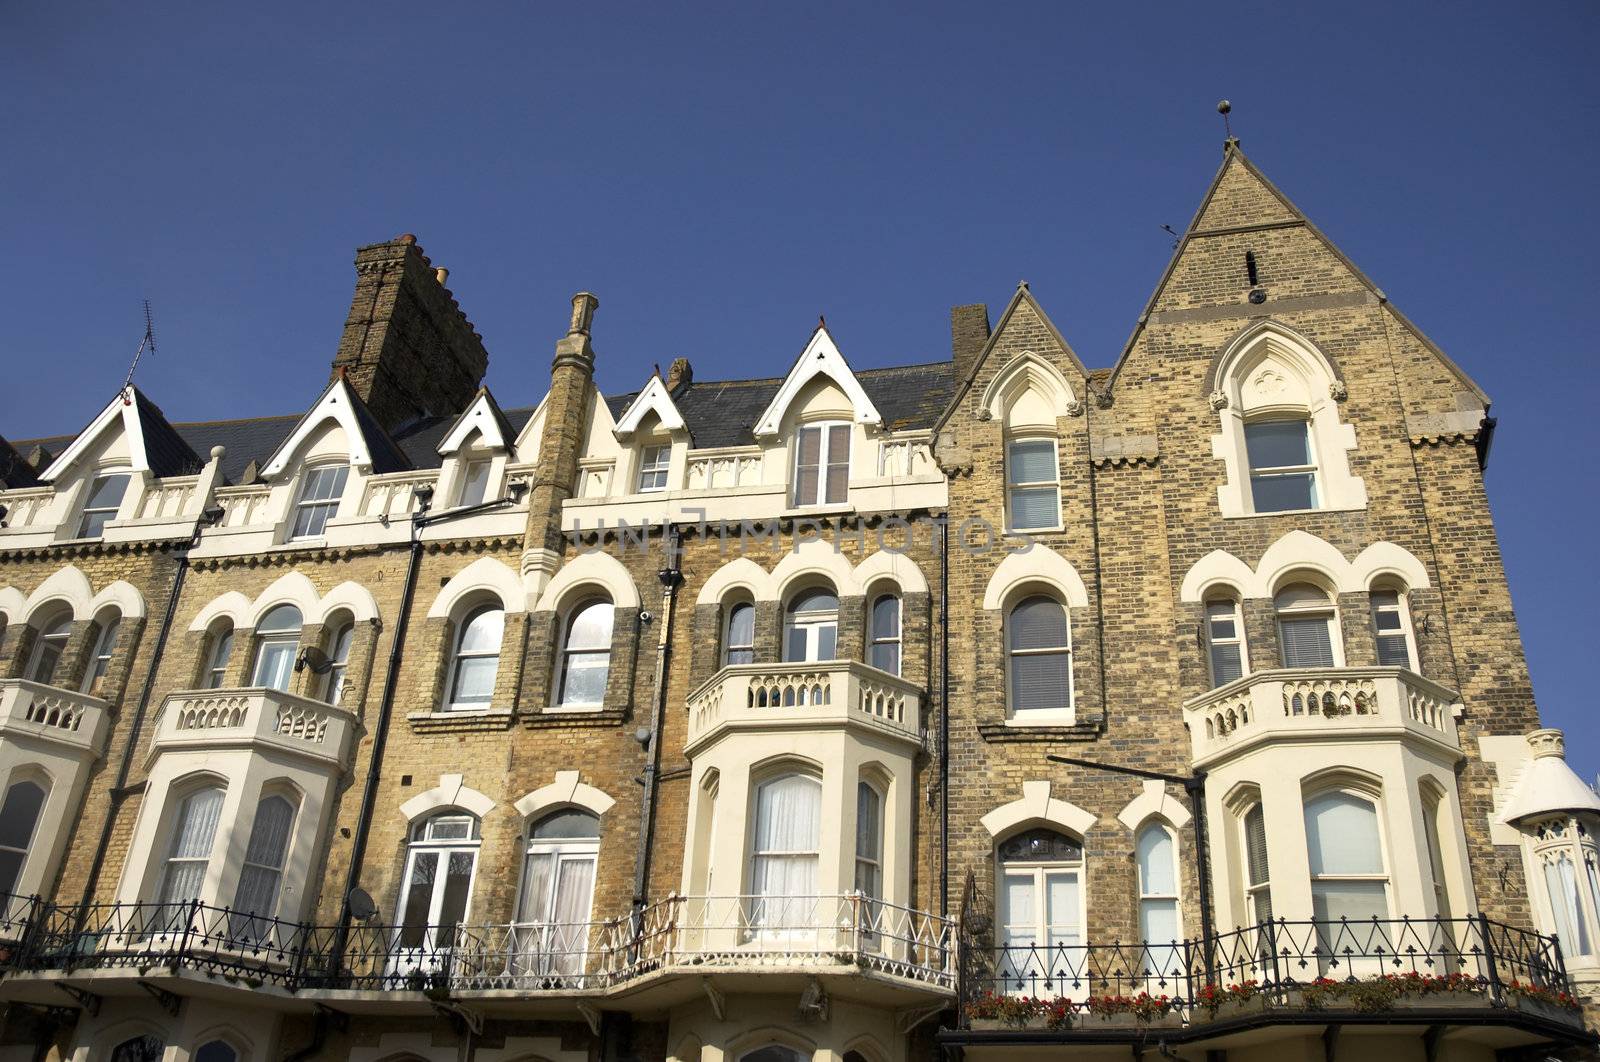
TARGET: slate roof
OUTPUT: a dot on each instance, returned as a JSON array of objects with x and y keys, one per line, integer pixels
[
  {"x": 717, "y": 412},
  {"x": 14, "y": 468}
]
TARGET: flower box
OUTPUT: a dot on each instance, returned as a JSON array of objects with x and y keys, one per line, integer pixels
[{"x": 1129, "y": 1020}]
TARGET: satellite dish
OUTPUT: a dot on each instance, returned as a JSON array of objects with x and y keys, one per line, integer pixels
[
  {"x": 361, "y": 906},
  {"x": 315, "y": 659}
]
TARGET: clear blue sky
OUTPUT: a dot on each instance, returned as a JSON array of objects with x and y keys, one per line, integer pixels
[{"x": 720, "y": 175}]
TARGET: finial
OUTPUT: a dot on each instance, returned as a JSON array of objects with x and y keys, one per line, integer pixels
[
  {"x": 1224, "y": 108},
  {"x": 583, "y": 306}
]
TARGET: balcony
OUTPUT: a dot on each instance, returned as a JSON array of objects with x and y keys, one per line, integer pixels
[
  {"x": 254, "y": 716},
  {"x": 64, "y": 719},
  {"x": 1319, "y": 704},
  {"x": 830, "y": 694},
  {"x": 200, "y": 949},
  {"x": 1478, "y": 980}
]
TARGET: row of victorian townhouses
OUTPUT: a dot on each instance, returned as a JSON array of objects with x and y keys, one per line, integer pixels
[{"x": 993, "y": 706}]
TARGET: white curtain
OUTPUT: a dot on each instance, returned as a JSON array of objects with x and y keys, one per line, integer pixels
[
  {"x": 195, "y": 830},
  {"x": 1562, "y": 885},
  {"x": 263, "y": 859},
  {"x": 788, "y": 830},
  {"x": 1158, "y": 886}
]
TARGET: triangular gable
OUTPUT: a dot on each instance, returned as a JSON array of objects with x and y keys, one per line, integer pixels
[
  {"x": 653, "y": 399},
  {"x": 370, "y": 446},
  {"x": 820, "y": 358},
  {"x": 484, "y": 416},
  {"x": 153, "y": 445},
  {"x": 1022, "y": 296},
  {"x": 1241, "y": 195}
]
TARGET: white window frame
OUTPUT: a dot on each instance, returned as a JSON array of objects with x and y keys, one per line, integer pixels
[
  {"x": 319, "y": 510},
  {"x": 174, "y": 835},
  {"x": 1328, "y": 610},
  {"x": 453, "y": 702},
  {"x": 564, "y": 661},
  {"x": 1053, "y": 484},
  {"x": 875, "y": 638},
  {"x": 1257, "y": 890},
  {"x": 728, "y": 647},
  {"x": 655, "y": 468},
  {"x": 1383, "y": 877},
  {"x": 1146, "y": 895},
  {"x": 546, "y": 944},
  {"x": 1549, "y": 841},
  {"x": 1213, "y": 642},
  {"x": 825, "y": 459},
  {"x": 871, "y": 862},
  {"x": 811, "y": 623},
  {"x": 1039, "y": 716},
  {"x": 340, "y": 642},
  {"x": 56, "y": 635},
  {"x": 430, "y": 951},
  {"x": 256, "y": 925},
  {"x": 218, "y": 657},
  {"x": 1038, "y": 875},
  {"x": 1401, "y": 610},
  {"x": 105, "y": 647},
  {"x": 796, "y": 915},
  {"x": 25, "y": 852},
  {"x": 1252, "y": 473},
  {"x": 470, "y": 465},
  {"x": 276, "y": 638},
  {"x": 89, "y": 514}
]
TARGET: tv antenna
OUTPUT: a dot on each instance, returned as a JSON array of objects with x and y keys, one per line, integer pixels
[
  {"x": 1170, "y": 231},
  {"x": 147, "y": 343}
]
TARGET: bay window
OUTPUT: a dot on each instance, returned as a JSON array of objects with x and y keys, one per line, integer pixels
[
  {"x": 183, "y": 873},
  {"x": 785, "y": 850},
  {"x": 255, "y": 903},
  {"x": 19, "y": 819},
  {"x": 1348, "y": 880}
]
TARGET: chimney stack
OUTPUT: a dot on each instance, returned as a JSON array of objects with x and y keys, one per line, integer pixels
[
  {"x": 678, "y": 373},
  {"x": 407, "y": 348},
  {"x": 969, "y": 334}
]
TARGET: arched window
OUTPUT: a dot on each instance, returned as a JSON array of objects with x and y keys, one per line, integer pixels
[
  {"x": 476, "y": 660},
  {"x": 1305, "y": 626},
  {"x": 1224, "y": 640},
  {"x": 105, "y": 645},
  {"x": 217, "y": 662},
  {"x": 785, "y": 848},
  {"x": 1433, "y": 806},
  {"x": 1258, "y": 873},
  {"x": 1033, "y": 488},
  {"x": 1041, "y": 909},
  {"x": 558, "y": 892},
  {"x": 869, "y": 841},
  {"x": 440, "y": 862},
  {"x": 262, "y": 875},
  {"x": 773, "y": 1053},
  {"x": 48, "y": 648},
  {"x": 100, "y": 508},
  {"x": 140, "y": 1049},
  {"x": 194, "y": 829},
  {"x": 277, "y": 640},
  {"x": 1039, "y": 656},
  {"x": 1391, "y": 624},
  {"x": 822, "y": 464},
  {"x": 1347, "y": 875},
  {"x": 1155, "y": 849},
  {"x": 739, "y": 643},
  {"x": 217, "y": 1051},
  {"x": 320, "y": 492},
  {"x": 19, "y": 818},
  {"x": 883, "y": 651},
  {"x": 1564, "y": 849},
  {"x": 338, "y": 661},
  {"x": 1283, "y": 466},
  {"x": 586, "y": 655},
  {"x": 811, "y": 627}
]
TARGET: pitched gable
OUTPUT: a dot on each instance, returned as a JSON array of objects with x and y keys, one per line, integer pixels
[
  {"x": 369, "y": 445},
  {"x": 821, "y": 358},
  {"x": 653, "y": 399},
  {"x": 152, "y": 444},
  {"x": 483, "y": 416}
]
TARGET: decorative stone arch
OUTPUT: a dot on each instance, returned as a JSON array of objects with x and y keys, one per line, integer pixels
[
  {"x": 335, "y": 406},
  {"x": 484, "y": 575},
  {"x": 1216, "y": 569},
  {"x": 565, "y": 791},
  {"x": 1297, "y": 552},
  {"x": 1038, "y": 808},
  {"x": 1153, "y": 803},
  {"x": 291, "y": 588},
  {"x": 741, "y": 573},
  {"x": 13, "y": 605},
  {"x": 232, "y": 605},
  {"x": 589, "y": 569},
  {"x": 868, "y": 1047},
  {"x": 1343, "y": 777},
  {"x": 114, "y": 1035},
  {"x": 893, "y": 567},
  {"x": 479, "y": 419},
  {"x": 1268, "y": 369},
  {"x": 809, "y": 560},
  {"x": 65, "y": 586},
  {"x": 688, "y": 1049},
  {"x": 122, "y": 596},
  {"x": 1037, "y": 564},
  {"x": 1028, "y": 372},
  {"x": 350, "y": 597},
  {"x": 228, "y": 1034},
  {"x": 451, "y": 792},
  {"x": 752, "y": 1039},
  {"x": 1387, "y": 560}
]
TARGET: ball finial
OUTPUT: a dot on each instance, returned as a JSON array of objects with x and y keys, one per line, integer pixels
[{"x": 1223, "y": 106}]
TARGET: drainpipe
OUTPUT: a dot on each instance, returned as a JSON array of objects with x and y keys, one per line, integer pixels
[
  {"x": 207, "y": 519},
  {"x": 319, "y": 1035},
  {"x": 944, "y": 718},
  {"x": 671, "y": 578}
]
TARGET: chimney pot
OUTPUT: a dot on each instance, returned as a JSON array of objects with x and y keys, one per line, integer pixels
[
  {"x": 583, "y": 306},
  {"x": 679, "y": 373},
  {"x": 442, "y": 274},
  {"x": 406, "y": 237}
]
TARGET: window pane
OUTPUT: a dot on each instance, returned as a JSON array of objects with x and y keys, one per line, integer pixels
[
  {"x": 1255, "y": 840},
  {"x": 584, "y": 681},
  {"x": 197, "y": 824},
  {"x": 838, "y": 464},
  {"x": 567, "y": 824},
  {"x": 591, "y": 627},
  {"x": 269, "y": 837},
  {"x": 868, "y": 822},
  {"x": 484, "y": 631},
  {"x": 886, "y": 657},
  {"x": 1393, "y": 651},
  {"x": 216, "y": 1051},
  {"x": 789, "y": 815},
  {"x": 274, "y": 664},
  {"x": 1040, "y": 681},
  {"x": 1038, "y": 623},
  {"x": 537, "y": 879},
  {"x": 1342, "y": 835},
  {"x": 1221, "y": 616},
  {"x": 1154, "y": 851},
  {"x": 1277, "y": 494},
  {"x": 827, "y": 641},
  {"x": 1226, "y": 664},
  {"x": 282, "y": 618},
  {"x": 457, "y": 884},
  {"x": 475, "y": 677},
  {"x": 1158, "y": 921},
  {"x": 794, "y": 644},
  {"x": 475, "y": 482},
  {"x": 1307, "y": 641},
  {"x": 1355, "y": 900},
  {"x": 1031, "y": 461},
  {"x": 886, "y": 618},
  {"x": 1034, "y": 507},
  {"x": 418, "y": 898},
  {"x": 1277, "y": 443},
  {"x": 106, "y": 493},
  {"x": 815, "y": 601}
]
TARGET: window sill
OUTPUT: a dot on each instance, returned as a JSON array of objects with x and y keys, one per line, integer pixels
[
  {"x": 801, "y": 512},
  {"x": 1082, "y": 729},
  {"x": 448, "y": 722},
  {"x": 1295, "y": 512},
  {"x": 552, "y": 718}
]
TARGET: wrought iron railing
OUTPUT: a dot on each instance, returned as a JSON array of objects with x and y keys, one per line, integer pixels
[{"x": 693, "y": 931}]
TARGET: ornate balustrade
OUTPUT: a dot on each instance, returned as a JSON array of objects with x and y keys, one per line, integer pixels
[
  {"x": 829, "y": 693},
  {"x": 1301, "y": 702},
  {"x": 32, "y": 710},
  {"x": 254, "y": 715}
]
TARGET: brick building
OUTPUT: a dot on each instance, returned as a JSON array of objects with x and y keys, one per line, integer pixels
[{"x": 844, "y": 714}]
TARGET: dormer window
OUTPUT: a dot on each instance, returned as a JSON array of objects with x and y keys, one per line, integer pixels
[
  {"x": 822, "y": 464},
  {"x": 475, "y": 481},
  {"x": 653, "y": 468},
  {"x": 319, "y": 500},
  {"x": 105, "y": 498}
]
